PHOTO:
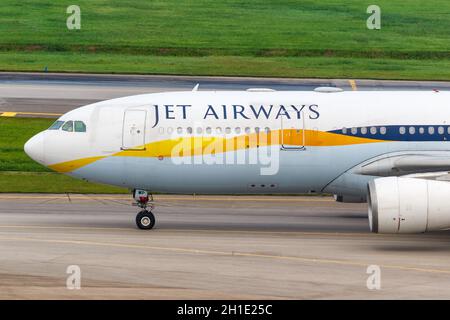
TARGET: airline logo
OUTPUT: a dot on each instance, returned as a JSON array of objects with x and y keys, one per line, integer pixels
[{"x": 236, "y": 112}]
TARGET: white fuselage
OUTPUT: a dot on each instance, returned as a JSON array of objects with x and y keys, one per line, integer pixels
[{"x": 244, "y": 142}]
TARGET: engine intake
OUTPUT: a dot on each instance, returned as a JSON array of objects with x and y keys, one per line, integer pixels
[{"x": 408, "y": 205}]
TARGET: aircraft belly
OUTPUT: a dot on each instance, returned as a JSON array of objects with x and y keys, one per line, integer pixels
[{"x": 298, "y": 171}]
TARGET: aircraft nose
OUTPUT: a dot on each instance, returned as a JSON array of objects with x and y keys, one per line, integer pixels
[{"x": 34, "y": 148}]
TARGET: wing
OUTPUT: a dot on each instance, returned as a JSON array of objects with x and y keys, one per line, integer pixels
[{"x": 428, "y": 164}]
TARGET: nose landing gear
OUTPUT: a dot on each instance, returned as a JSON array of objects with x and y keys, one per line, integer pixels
[{"x": 144, "y": 219}]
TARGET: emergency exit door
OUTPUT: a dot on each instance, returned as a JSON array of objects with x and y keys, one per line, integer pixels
[{"x": 133, "y": 136}]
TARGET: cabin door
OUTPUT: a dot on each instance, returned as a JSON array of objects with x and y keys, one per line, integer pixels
[{"x": 133, "y": 135}]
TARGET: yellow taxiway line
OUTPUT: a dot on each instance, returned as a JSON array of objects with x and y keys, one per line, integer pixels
[
  {"x": 353, "y": 85},
  {"x": 159, "y": 231},
  {"x": 14, "y": 113},
  {"x": 180, "y": 250},
  {"x": 8, "y": 114}
]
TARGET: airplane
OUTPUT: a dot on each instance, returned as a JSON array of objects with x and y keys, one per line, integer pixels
[{"x": 388, "y": 148}]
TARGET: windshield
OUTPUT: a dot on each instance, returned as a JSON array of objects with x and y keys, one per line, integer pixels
[
  {"x": 56, "y": 125},
  {"x": 80, "y": 126},
  {"x": 68, "y": 126}
]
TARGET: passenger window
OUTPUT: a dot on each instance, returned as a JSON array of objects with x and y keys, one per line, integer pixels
[
  {"x": 199, "y": 130},
  {"x": 267, "y": 129},
  {"x": 430, "y": 130},
  {"x": 448, "y": 130},
  {"x": 179, "y": 130},
  {"x": 412, "y": 130},
  {"x": 219, "y": 130},
  {"x": 247, "y": 130},
  {"x": 441, "y": 130},
  {"x": 161, "y": 130},
  {"x": 56, "y": 125},
  {"x": 208, "y": 130},
  {"x": 402, "y": 130},
  {"x": 383, "y": 130},
  {"x": 363, "y": 130},
  {"x": 189, "y": 130},
  {"x": 354, "y": 130},
  {"x": 257, "y": 129},
  {"x": 344, "y": 130},
  {"x": 228, "y": 130},
  {"x": 237, "y": 130},
  {"x": 80, "y": 126},
  {"x": 421, "y": 130},
  {"x": 68, "y": 126},
  {"x": 373, "y": 130}
]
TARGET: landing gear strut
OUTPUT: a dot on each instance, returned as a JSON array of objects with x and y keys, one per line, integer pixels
[{"x": 144, "y": 219}]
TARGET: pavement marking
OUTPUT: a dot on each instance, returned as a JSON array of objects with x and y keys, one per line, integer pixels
[
  {"x": 353, "y": 85},
  {"x": 158, "y": 231},
  {"x": 231, "y": 254},
  {"x": 60, "y": 227},
  {"x": 8, "y": 114},
  {"x": 14, "y": 113},
  {"x": 40, "y": 114},
  {"x": 62, "y": 196}
]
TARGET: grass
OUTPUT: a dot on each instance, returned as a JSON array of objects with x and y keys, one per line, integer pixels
[
  {"x": 14, "y": 132},
  {"x": 19, "y": 173},
  {"x": 259, "y": 38},
  {"x": 49, "y": 182},
  {"x": 296, "y": 67}
]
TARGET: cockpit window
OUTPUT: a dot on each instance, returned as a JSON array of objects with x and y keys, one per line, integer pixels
[
  {"x": 56, "y": 125},
  {"x": 68, "y": 126},
  {"x": 80, "y": 126}
]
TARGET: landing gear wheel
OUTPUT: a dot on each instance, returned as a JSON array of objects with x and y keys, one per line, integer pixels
[{"x": 145, "y": 220}]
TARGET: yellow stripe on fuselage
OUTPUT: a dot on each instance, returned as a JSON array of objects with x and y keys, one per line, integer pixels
[
  {"x": 72, "y": 165},
  {"x": 194, "y": 146}
]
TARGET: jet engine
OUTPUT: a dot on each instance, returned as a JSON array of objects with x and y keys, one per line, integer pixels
[{"x": 408, "y": 205}]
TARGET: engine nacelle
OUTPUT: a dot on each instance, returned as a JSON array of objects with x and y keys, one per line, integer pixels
[{"x": 408, "y": 205}]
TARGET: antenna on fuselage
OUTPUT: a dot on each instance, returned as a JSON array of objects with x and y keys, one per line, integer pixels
[{"x": 196, "y": 87}]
